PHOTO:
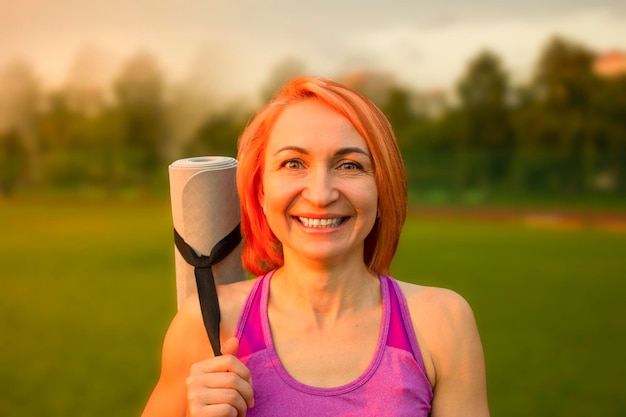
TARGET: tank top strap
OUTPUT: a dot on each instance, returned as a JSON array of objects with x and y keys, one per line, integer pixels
[
  {"x": 397, "y": 328},
  {"x": 250, "y": 326},
  {"x": 401, "y": 331}
]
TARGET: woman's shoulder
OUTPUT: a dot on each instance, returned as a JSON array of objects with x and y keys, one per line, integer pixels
[
  {"x": 187, "y": 331},
  {"x": 434, "y": 300},
  {"x": 443, "y": 321},
  {"x": 232, "y": 298},
  {"x": 439, "y": 314}
]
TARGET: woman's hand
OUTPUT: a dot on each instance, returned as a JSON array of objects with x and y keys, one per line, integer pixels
[{"x": 220, "y": 386}]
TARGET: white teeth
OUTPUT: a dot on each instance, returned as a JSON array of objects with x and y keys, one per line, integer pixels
[{"x": 320, "y": 223}]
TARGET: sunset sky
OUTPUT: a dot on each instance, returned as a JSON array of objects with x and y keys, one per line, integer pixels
[{"x": 426, "y": 44}]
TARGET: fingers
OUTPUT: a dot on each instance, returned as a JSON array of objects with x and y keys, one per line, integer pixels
[
  {"x": 216, "y": 402},
  {"x": 215, "y": 381},
  {"x": 214, "y": 410},
  {"x": 230, "y": 347},
  {"x": 217, "y": 410},
  {"x": 225, "y": 363},
  {"x": 220, "y": 386},
  {"x": 205, "y": 390}
]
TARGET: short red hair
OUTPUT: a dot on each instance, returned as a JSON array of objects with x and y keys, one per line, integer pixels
[{"x": 262, "y": 251}]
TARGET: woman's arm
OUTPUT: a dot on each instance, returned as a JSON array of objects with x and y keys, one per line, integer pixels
[
  {"x": 220, "y": 386},
  {"x": 460, "y": 384},
  {"x": 180, "y": 347},
  {"x": 193, "y": 381},
  {"x": 452, "y": 352}
]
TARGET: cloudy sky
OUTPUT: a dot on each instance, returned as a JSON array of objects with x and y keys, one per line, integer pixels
[{"x": 237, "y": 42}]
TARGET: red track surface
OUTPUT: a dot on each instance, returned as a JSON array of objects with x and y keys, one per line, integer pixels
[{"x": 609, "y": 221}]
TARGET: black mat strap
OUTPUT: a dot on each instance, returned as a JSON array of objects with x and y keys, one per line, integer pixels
[{"x": 205, "y": 281}]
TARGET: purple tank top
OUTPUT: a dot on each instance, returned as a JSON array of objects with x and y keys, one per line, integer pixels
[{"x": 394, "y": 384}]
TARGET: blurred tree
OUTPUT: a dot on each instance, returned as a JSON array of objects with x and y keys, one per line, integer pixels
[
  {"x": 413, "y": 139},
  {"x": 139, "y": 90},
  {"x": 186, "y": 111},
  {"x": 430, "y": 160},
  {"x": 57, "y": 130},
  {"x": 87, "y": 81},
  {"x": 609, "y": 116},
  {"x": 81, "y": 148},
  {"x": 563, "y": 75},
  {"x": 13, "y": 162},
  {"x": 558, "y": 122},
  {"x": 219, "y": 133},
  {"x": 286, "y": 69},
  {"x": 81, "y": 133},
  {"x": 205, "y": 97},
  {"x": 20, "y": 102},
  {"x": 398, "y": 110},
  {"x": 376, "y": 86},
  {"x": 485, "y": 141}
]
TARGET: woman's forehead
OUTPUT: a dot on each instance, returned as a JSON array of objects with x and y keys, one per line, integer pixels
[{"x": 311, "y": 123}]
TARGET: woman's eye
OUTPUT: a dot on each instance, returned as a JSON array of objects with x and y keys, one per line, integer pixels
[
  {"x": 350, "y": 166},
  {"x": 292, "y": 164}
]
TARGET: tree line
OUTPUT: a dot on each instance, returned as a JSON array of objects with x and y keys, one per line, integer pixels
[{"x": 561, "y": 133}]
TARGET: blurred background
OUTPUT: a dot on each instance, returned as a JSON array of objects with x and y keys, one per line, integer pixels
[
  {"x": 491, "y": 103},
  {"x": 511, "y": 119}
]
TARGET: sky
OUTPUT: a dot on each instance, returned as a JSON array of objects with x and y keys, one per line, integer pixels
[{"x": 236, "y": 43}]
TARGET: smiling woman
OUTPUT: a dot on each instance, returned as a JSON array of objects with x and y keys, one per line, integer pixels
[
  {"x": 377, "y": 150},
  {"x": 318, "y": 172},
  {"x": 324, "y": 330}
]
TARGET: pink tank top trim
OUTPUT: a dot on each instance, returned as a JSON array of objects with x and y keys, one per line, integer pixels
[{"x": 394, "y": 383}]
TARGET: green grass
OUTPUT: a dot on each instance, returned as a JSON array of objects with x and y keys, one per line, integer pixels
[
  {"x": 549, "y": 305},
  {"x": 85, "y": 295},
  {"x": 87, "y": 292}
]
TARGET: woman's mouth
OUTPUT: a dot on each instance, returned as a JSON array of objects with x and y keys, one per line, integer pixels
[{"x": 321, "y": 223}]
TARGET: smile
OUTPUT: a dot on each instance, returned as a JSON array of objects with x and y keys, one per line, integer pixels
[{"x": 321, "y": 223}]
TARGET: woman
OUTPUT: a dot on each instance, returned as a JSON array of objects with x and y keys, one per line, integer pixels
[{"x": 323, "y": 331}]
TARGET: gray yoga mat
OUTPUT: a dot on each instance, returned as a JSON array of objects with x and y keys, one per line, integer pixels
[{"x": 205, "y": 208}]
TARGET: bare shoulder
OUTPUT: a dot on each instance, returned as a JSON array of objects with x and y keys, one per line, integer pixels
[
  {"x": 186, "y": 342},
  {"x": 187, "y": 337},
  {"x": 433, "y": 303},
  {"x": 232, "y": 298},
  {"x": 445, "y": 327},
  {"x": 451, "y": 348}
]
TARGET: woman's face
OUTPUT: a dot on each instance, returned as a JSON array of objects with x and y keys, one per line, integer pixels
[{"x": 320, "y": 196}]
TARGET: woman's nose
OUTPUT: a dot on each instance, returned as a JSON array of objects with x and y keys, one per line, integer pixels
[{"x": 321, "y": 187}]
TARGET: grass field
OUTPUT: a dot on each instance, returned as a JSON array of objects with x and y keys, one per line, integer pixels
[{"x": 87, "y": 291}]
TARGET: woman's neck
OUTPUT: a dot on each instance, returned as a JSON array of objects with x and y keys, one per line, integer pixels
[{"x": 325, "y": 293}]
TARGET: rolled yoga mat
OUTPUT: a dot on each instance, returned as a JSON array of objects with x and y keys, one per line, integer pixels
[{"x": 205, "y": 209}]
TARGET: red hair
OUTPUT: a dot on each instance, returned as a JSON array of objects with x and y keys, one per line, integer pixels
[{"x": 262, "y": 251}]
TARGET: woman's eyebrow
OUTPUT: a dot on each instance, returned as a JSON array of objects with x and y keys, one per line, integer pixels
[
  {"x": 292, "y": 148},
  {"x": 346, "y": 151},
  {"x": 340, "y": 152}
]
